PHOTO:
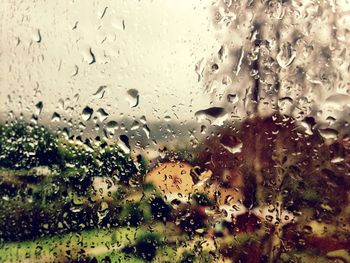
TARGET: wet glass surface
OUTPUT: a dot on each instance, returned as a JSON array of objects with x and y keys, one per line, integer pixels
[{"x": 175, "y": 131}]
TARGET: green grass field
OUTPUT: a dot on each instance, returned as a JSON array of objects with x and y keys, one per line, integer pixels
[{"x": 97, "y": 242}]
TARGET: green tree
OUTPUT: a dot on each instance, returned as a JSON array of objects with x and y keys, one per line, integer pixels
[
  {"x": 78, "y": 165},
  {"x": 24, "y": 145},
  {"x": 114, "y": 163}
]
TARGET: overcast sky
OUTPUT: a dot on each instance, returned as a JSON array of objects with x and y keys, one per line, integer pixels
[{"x": 151, "y": 46}]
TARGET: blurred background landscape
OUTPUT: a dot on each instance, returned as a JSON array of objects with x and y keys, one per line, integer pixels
[{"x": 155, "y": 131}]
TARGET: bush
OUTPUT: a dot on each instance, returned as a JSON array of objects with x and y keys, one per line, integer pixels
[
  {"x": 77, "y": 165},
  {"x": 202, "y": 199},
  {"x": 132, "y": 214},
  {"x": 191, "y": 218},
  {"x": 188, "y": 257},
  {"x": 146, "y": 246},
  {"x": 77, "y": 157},
  {"x": 115, "y": 163},
  {"x": 23, "y": 146},
  {"x": 159, "y": 209}
]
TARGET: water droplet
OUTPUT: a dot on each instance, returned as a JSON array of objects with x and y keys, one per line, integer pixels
[
  {"x": 34, "y": 119},
  {"x": 307, "y": 229},
  {"x": 214, "y": 115},
  {"x": 143, "y": 119},
  {"x": 39, "y": 107},
  {"x": 308, "y": 128},
  {"x": 100, "y": 92},
  {"x": 75, "y": 26},
  {"x": 239, "y": 64},
  {"x": 102, "y": 12},
  {"x": 232, "y": 98},
  {"x": 133, "y": 97},
  {"x": 329, "y": 134},
  {"x": 167, "y": 118},
  {"x": 75, "y": 71},
  {"x": 214, "y": 67},
  {"x": 101, "y": 114},
  {"x": 123, "y": 143},
  {"x": 61, "y": 104},
  {"x": 331, "y": 120},
  {"x": 199, "y": 69},
  {"x": 88, "y": 55},
  {"x": 76, "y": 97},
  {"x": 65, "y": 133},
  {"x": 36, "y": 36},
  {"x": 226, "y": 80},
  {"x": 135, "y": 125},
  {"x": 285, "y": 105},
  {"x": 112, "y": 126},
  {"x": 118, "y": 23},
  {"x": 286, "y": 55},
  {"x": 87, "y": 113},
  {"x": 56, "y": 117},
  {"x": 234, "y": 149},
  {"x": 146, "y": 130},
  {"x": 337, "y": 160},
  {"x": 17, "y": 41}
]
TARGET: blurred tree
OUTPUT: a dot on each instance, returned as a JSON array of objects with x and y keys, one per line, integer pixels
[
  {"x": 23, "y": 146},
  {"x": 132, "y": 214},
  {"x": 159, "y": 209},
  {"x": 285, "y": 58},
  {"x": 78, "y": 165},
  {"x": 114, "y": 163},
  {"x": 146, "y": 246}
]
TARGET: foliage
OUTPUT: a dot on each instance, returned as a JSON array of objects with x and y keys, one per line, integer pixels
[
  {"x": 202, "y": 199},
  {"x": 146, "y": 246},
  {"x": 191, "y": 219},
  {"x": 159, "y": 209},
  {"x": 113, "y": 162},
  {"x": 132, "y": 214},
  {"x": 188, "y": 257},
  {"x": 23, "y": 146}
]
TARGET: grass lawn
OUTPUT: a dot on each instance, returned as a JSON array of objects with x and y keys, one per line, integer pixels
[{"x": 97, "y": 242}]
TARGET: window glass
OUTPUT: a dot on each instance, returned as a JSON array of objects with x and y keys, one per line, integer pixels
[{"x": 175, "y": 131}]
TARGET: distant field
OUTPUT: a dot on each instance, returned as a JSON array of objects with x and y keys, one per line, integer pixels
[{"x": 97, "y": 242}]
